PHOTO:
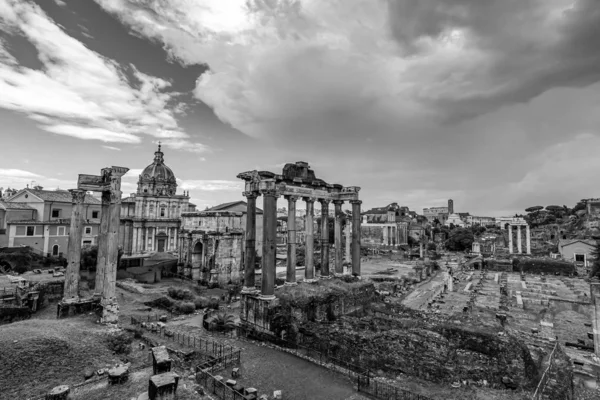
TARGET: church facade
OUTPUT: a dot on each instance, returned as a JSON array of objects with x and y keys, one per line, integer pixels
[{"x": 151, "y": 217}]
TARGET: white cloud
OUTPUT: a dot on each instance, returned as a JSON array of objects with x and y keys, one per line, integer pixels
[
  {"x": 17, "y": 173},
  {"x": 78, "y": 92},
  {"x": 209, "y": 185},
  {"x": 112, "y": 148}
]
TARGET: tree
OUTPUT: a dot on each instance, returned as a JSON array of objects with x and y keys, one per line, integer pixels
[
  {"x": 89, "y": 258},
  {"x": 460, "y": 240},
  {"x": 534, "y": 209}
]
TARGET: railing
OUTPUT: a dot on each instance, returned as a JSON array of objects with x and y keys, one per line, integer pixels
[
  {"x": 539, "y": 391},
  {"x": 177, "y": 276},
  {"x": 205, "y": 346},
  {"x": 217, "y": 387}
]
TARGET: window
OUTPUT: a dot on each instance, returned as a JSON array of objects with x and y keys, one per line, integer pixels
[
  {"x": 30, "y": 230},
  {"x": 61, "y": 231},
  {"x": 55, "y": 250},
  {"x": 579, "y": 257},
  {"x": 87, "y": 243},
  {"x": 95, "y": 214},
  {"x": 88, "y": 230},
  {"x": 162, "y": 211},
  {"x": 56, "y": 213}
]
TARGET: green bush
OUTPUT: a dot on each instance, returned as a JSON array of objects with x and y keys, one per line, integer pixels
[
  {"x": 180, "y": 294},
  {"x": 186, "y": 307},
  {"x": 120, "y": 344},
  {"x": 201, "y": 302}
]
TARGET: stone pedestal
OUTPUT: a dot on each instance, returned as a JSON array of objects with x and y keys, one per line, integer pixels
[
  {"x": 161, "y": 362},
  {"x": 163, "y": 386},
  {"x": 58, "y": 393},
  {"x": 71, "y": 308},
  {"x": 118, "y": 374}
]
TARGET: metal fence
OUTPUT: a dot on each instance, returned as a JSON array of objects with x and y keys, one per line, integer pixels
[
  {"x": 218, "y": 387},
  {"x": 204, "y": 346},
  {"x": 365, "y": 382}
]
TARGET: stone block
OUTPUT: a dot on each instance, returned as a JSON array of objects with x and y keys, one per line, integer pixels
[
  {"x": 163, "y": 386},
  {"x": 231, "y": 383},
  {"x": 277, "y": 394},
  {"x": 58, "y": 393},
  {"x": 118, "y": 374},
  {"x": 235, "y": 372},
  {"x": 161, "y": 362},
  {"x": 251, "y": 391}
]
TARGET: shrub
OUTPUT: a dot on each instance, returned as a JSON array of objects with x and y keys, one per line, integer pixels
[
  {"x": 138, "y": 333},
  {"x": 201, "y": 302},
  {"x": 21, "y": 269},
  {"x": 186, "y": 307},
  {"x": 120, "y": 344},
  {"x": 180, "y": 294},
  {"x": 213, "y": 303},
  {"x": 161, "y": 302}
]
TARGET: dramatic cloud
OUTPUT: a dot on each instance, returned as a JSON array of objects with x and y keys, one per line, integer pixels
[{"x": 79, "y": 93}]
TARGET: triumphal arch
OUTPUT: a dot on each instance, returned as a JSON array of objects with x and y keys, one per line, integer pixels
[{"x": 297, "y": 181}]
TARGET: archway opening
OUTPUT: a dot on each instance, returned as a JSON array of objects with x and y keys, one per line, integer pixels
[
  {"x": 197, "y": 255},
  {"x": 55, "y": 250}
]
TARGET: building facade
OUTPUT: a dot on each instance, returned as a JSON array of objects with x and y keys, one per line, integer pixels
[
  {"x": 577, "y": 250},
  {"x": 212, "y": 243},
  {"x": 41, "y": 218},
  {"x": 151, "y": 218},
  {"x": 385, "y": 226}
]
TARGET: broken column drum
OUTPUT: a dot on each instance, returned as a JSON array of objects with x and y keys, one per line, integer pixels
[{"x": 299, "y": 181}]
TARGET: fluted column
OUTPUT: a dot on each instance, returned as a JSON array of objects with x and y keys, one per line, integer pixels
[
  {"x": 339, "y": 266},
  {"x": 102, "y": 244},
  {"x": 309, "y": 269},
  {"x": 356, "y": 219},
  {"x": 291, "y": 241},
  {"x": 71, "y": 288},
  {"x": 528, "y": 239},
  {"x": 269, "y": 243},
  {"x": 325, "y": 238},
  {"x": 510, "y": 240},
  {"x": 250, "y": 259},
  {"x": 519, "y": 245}
]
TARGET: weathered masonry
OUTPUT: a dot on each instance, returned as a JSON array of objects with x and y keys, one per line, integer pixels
[
  {"x": 297, "y": 181},
  {"x": 109, "y": 184}
]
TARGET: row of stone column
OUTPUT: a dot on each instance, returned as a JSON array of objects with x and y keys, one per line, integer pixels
[
  {"x": 108, "y": 248},
  {"x": 519, "y": 245},
  {"x": 270, "y": 243}
]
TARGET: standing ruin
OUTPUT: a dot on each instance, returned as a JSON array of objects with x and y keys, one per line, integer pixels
[
  {"x": 108, "y": 183},
  {"x": 296, "y": 182}
]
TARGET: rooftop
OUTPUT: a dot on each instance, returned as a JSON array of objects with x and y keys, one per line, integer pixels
[{"x": 61, "y": 196}]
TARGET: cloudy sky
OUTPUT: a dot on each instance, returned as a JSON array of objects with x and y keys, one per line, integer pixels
[{"x": 494, "y": 103}]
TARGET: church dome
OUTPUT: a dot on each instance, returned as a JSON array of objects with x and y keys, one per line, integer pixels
[{"x": 157, "y": 179}]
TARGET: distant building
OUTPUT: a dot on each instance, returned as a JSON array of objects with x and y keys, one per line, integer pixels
[
  {"x": 472, "y": 220},
  {"x": 577, "y": 250},
  {"x": 41, "y": 219},
  {"x": 454, "y": 219},
  {"x": 433, "y": 213},
  {"x": 387, "y": 226},
  {"x": 150, "y": 218}
]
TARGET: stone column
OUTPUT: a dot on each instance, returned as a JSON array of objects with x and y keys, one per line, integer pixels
[
  {"x": 510, "y": 240},
  {"x": 102, "y": 244},
  {"x": 528, "y": 239},
  {"x": 356, "y": 219},
  {"x": 339, "y": 266},
  {"x": 269, "y": 243},
  {"x": 110, "y": 307},
  {"x": 519, "y": 246},
  {"x": 325, "y": 238},
  {"x": 421, "y": 248},
  {"x": 250, "y": 257},
  {"x": 71, "y": 288},
  {"x": 348, "y": 240},
  {"x": 290, "y": 278},
  {"x": 595, "y": 294},
  {"x": 309, "y": 266}
]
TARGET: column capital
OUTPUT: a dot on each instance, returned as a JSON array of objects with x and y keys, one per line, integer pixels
[
  {"x": 325, "y": 201},
  {"x": 269, "y": 192},
  {"x": 338, "y": 202},
  {"x": 308, "y": 199},
  {"x": 78, "y": 195},
  {"x": 359, "y": 202},
  {"x": 291, "y": 198},
  {"x": 251, "y": 195}
]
